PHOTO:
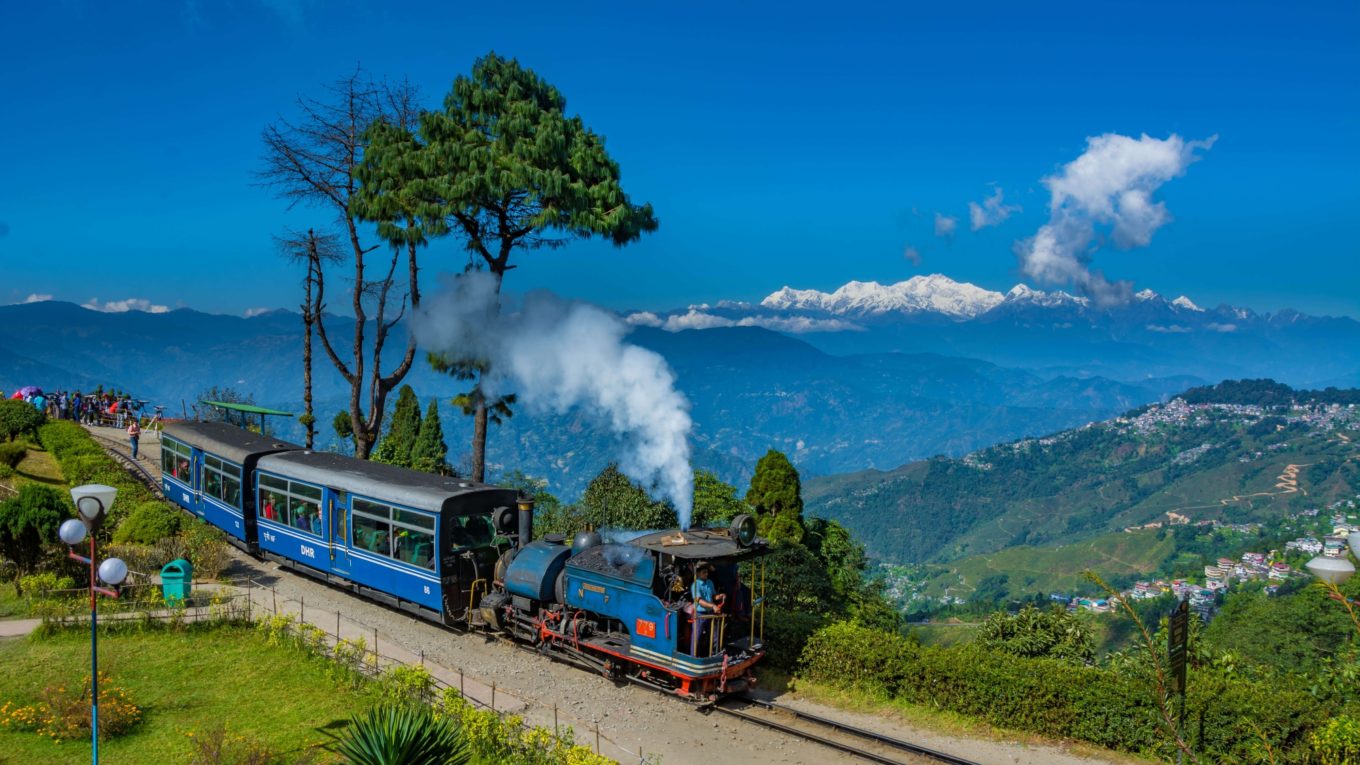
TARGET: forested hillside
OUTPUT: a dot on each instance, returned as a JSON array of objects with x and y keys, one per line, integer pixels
[{"x": 1201, "y": 461}]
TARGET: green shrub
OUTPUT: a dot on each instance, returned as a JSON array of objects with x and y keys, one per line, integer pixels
[
  {"x": 29, "y": 522},
  {"x": 1337, "y": 742},
  {"x": 6, "y": 471},
  {"x": 18, "y": 417},
  {"x": 1113, "y": 708},
  {"x": 207, "y": 549},
  {"x": 11, "y": 454},
  {"x": 148, "y": 523},
  {"x": 785, "y": 634}
]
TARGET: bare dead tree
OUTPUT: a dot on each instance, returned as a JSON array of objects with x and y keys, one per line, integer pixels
[
  {"x": 316, "y": 251},
  {"x": 311, "y": 159}
]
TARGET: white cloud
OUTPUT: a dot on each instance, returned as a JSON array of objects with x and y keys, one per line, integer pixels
[
  {"x": 644, "y": 319},
  {"x": 1109, "y": 186},
  {"x": 945, "y": 225},
  {"x": 1175, "y": 329},
  {"x": 795, "y": 324},
  {"x": 36, "y": 298},
  {"x": 693, "y": 319},
  {"x": 1215, "y": 326},
  {"x": 253, "y": 312},
  {"x": 912, "y": 255},
  {"x": 992, "y": 212},
  {"x": 123, "y": 306}
]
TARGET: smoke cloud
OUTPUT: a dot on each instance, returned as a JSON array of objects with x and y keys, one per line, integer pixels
[
  {"x": 558, "y": 355},
  {"x": 1107, "y": 189}
]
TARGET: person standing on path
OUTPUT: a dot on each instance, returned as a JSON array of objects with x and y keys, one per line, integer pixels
[{"x": 134, "y": 432}]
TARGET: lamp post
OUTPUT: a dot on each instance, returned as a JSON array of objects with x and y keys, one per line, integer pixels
[{"x": 93, "y": 502}]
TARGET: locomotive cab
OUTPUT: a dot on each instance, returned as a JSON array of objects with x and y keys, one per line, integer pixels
[{"x": 627, "y": 609}]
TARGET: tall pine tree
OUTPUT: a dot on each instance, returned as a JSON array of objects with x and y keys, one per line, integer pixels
[
  {"x": 402, "y": 432},
  {"x": 428, "y": 453},
  {"x": 777, "y": 495},
  {"x": 514, "y": 173}
]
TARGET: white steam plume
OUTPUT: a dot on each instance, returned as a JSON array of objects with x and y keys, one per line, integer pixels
[
  {"x": 1109, "y": 186},
  {"x": 557, "y": 355}
]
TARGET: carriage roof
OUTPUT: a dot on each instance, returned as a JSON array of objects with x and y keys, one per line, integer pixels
[
  {"x": 399, "y": 485},
  {"x": 227, "y": 441}
]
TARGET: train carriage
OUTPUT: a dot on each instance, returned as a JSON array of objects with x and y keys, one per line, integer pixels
[
  {"x": 208, "y": 467},
  {"x": 422, "y": 542},
  {"x": 463, "y": 553}
]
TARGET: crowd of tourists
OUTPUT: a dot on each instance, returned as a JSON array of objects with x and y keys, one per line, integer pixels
[{"x": 106, "y": 408}]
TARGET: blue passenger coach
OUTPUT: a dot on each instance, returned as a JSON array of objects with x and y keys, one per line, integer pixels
[
  {"x": 418, "y": 541},
  {"x": 206, "y": 468}
]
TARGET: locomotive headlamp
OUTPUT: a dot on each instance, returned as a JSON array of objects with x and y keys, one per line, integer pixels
[{"x": 743, "y": 529}]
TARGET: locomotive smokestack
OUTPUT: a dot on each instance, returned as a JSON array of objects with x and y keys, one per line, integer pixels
[{"x": 526, "y": 518}]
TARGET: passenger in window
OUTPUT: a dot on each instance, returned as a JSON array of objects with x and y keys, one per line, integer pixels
[
  {"x": 269, "y": 507},
  {"x": 300, "y": 519},
  {"x": 316, "y": 522}
]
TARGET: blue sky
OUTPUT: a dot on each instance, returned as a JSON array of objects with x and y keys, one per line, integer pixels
[{"x": 779, "y": 144}]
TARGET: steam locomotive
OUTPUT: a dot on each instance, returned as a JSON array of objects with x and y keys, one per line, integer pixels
[{"x": 463, "y": 554}]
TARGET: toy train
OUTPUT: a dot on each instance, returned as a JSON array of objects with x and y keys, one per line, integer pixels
[{"x": 463, "y": 554}]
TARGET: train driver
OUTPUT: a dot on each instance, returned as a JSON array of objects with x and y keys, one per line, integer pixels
[{"x": 707, "y": 601}]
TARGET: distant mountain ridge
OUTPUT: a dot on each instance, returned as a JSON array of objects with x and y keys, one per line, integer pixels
[{"x": 750, "y": 388}]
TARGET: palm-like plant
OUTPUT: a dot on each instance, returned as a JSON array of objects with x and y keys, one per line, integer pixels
[{"x": 402, "y": 734}]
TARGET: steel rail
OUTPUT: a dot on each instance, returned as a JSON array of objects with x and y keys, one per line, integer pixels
[
  {"x": 114, "y": 449},
  {"x": 850, "y": 730}
]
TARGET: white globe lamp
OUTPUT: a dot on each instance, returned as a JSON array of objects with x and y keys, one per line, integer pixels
[
  {"x": 72, "y": 532},
  {"x": 113, "y": 571}
]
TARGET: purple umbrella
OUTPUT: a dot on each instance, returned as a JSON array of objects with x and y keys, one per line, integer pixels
[{"x": 29, "y": 391}]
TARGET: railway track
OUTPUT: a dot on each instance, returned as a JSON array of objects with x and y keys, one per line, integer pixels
[
  {"x": 113, "y": 449},
  {"x": 865, "y": 744}
]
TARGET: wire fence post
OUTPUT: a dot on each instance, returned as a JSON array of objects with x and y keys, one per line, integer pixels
[
  {"x": 275, "y": 592},
  {"x": 493, "y": 697},
  {"x": 422, "y": 658},
  {"x": 302, "y": 614},
  {"x": 597, "y": 737},
  {"x": 337, "y": 625},
  {"x": 375, "y": 649},
  {"x": 461, "y": 690},
  {"x": 556, "y": 731}
]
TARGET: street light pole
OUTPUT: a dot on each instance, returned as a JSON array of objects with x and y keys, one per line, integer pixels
[{"x": 93, "y": 502}]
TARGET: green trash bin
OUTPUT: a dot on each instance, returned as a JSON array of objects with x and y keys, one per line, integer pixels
[{"x": 177, "y": 581}]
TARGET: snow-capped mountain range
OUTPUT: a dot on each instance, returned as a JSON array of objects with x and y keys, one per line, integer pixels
[
  {"x": 934, "y": 294},
  {"x": 1032, "y": 328}
]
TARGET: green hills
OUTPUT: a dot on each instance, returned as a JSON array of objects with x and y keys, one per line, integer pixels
[{"x": 1042, "y": 510}]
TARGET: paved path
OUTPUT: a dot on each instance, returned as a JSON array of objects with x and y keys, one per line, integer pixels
[{"x": 12, "y": 628}]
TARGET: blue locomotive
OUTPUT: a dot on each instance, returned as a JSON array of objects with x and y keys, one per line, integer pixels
[{"x": 463, "y": 554}]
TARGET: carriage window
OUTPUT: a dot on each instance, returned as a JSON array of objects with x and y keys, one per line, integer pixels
[
  {"x": 395, "y": 533},
  {"x": 222, "y": 480},
  {"x": 291, "y": 503},
  {"x": 175, "y": 459}
]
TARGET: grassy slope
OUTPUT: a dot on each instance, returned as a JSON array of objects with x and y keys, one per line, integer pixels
[
  {"x": 184, "y": 682},
  {"x": 1057, "y": 568}
]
